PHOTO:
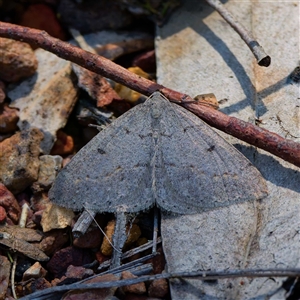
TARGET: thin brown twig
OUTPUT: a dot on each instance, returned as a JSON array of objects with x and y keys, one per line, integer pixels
[
  {"x": 256, "y": 136},
  {"x": 262, "y": 58}
]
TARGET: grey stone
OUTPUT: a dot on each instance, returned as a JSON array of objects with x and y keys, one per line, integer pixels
[{"x": 46, "y": 99}]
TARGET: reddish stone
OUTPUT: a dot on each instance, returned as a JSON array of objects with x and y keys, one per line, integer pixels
[
  {"x": 8, "y": 119},
  {"x": 2, "y": 91},
  {"x": 17, "y": 60},
  {"x": 41, "y": 16},
  {"x": 53, "y": 241},
  {"x": 137, "y": 288},
  {"x": 2, "y": 214},
  {"x": 158, "y": 261},
  {"x": 104, "y": 293},
  {"x": 56, "y": 281},
  {"x": 91, "y": 239},
  {"x": 35, "y": 271},
  {"x": 60, "y": 261},
  {"x": 101, "y": 257},
  {"x": 78, "y": 272},
  {"x": 96, "y": 86},
  {"x": 63, "y": 145},
  {"x": 158, "y": 288},
  {"x": 9, "y": 202}
]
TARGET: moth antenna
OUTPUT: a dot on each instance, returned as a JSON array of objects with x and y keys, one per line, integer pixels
[{"x": 102, "y": 230}]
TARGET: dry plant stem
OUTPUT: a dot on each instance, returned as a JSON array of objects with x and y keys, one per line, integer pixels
[
  {"x": 130, "y": 253},
  {"x": 200, "y": 275},
  {"x": 13, "y": 273},
  {"x": 130, "y": 265},
  {"x": 262, "y": 58},
  {"x": 155, "y": 229},
  {"x": 83, "y": 223},
  {"x": 264, "y": 139},
  {"x": 22, "y": 224}
]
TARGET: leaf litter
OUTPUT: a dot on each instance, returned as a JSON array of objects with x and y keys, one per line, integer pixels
[{"x": 17, "y": 239}]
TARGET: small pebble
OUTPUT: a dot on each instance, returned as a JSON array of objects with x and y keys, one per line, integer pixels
[
  {"x": 17, "y": 60},
  {"x": 158, "y": 288},
  {"x": 64, "y": 144},
  {"x": 35, "y": 271},
  {"x": 101, "y": 257},
  {"x": 2, "y": 91},
  {"x": 49, "y": 167},
  {"x": 138, "y": 288},
  {"x": 56, "y": 217},
  {"x": 2, "y": 215},
  {"x": 158, "y": 261},
  {"x": 4, "y": 275},
  {"x": 78, "y": 273},
  {"x": 9, "y": 203},
  {"x": 61, "y": 260},
  {"x": 8, "y": 119},
  {"x": 133, "y": 236},
  {"x": 91, "y": 239},
  {"x": 19, "y": 159},
  {"x": 53, "y": 241}
]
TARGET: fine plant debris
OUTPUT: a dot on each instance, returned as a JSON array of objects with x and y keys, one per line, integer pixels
[{"x": 113, "y": 183}]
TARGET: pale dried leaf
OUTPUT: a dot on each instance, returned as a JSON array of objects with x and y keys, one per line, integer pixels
[{"x": 197, "y": 52}]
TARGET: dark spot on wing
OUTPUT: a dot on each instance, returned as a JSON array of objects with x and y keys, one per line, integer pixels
[
  {"x": 187, "y": 128},
  {"x": 101, "y": 151},
  {"x": 143, "y": 136},
  {"x": 211, "y": 148},
  {"x": 138, "y": 165}
]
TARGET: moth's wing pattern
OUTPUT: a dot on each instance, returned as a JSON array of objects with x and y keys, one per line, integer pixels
[
  {"x": 197, "y": 170},
  {"x": 112, "y": 171}
]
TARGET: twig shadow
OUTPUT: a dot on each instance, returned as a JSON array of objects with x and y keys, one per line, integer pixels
[{"x": 271, "y": 169}]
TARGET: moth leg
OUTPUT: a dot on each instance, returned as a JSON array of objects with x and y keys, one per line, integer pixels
[
  {"x": 119, "y": 239},
  {"x": 155, "y": 229}
]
